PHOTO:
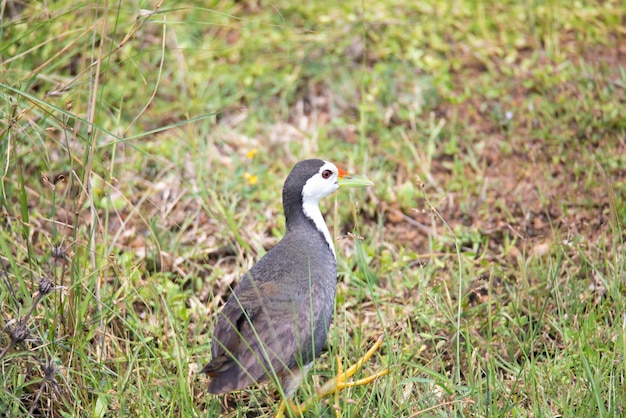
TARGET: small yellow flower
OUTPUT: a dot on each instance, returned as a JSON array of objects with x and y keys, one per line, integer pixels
[
  {"x": 252, "y": 178},
  {"x": 250, "y": 154}
]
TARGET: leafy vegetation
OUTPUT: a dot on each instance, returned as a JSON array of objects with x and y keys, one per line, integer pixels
[{"x": 143, "y": 147}]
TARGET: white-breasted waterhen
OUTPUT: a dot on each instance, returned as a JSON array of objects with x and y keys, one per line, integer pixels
[{"x": 276, "y": 321}]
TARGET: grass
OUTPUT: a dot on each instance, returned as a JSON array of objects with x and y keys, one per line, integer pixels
[{"x": 142, "y": 156}]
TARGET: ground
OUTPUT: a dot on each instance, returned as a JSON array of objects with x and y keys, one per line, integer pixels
[{"x": 144, "y": 146}]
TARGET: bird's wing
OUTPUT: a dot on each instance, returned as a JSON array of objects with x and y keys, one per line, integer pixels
[{"x": 259, "y": 334}]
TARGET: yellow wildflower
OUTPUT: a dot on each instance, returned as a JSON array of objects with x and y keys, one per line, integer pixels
[
  {"x": 250, "y": 154},
  {"x": 252, "y": 178}
]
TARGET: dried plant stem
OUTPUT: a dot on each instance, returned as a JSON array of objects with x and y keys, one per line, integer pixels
[{"x": 94, "y": 82}]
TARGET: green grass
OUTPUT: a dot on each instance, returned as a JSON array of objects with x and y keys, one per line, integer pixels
[{"x": 141, "y": 161}]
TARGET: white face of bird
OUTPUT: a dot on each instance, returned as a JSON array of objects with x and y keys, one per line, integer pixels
[{"x": 323, "y": 183}]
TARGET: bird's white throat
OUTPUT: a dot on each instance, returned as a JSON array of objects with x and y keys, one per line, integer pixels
[{"x": 311, "y": 209}]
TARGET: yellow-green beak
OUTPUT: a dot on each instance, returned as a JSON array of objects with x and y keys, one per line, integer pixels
[{"x": 350, "y": 180}]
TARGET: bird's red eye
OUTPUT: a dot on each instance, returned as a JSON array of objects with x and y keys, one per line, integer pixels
[{"x": 326, "y": 174}]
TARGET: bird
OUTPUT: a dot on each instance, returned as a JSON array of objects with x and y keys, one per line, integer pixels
[{"x": 277, "y": 318}]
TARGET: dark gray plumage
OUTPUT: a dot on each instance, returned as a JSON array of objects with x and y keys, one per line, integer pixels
[{"x": 276, "y": 321}]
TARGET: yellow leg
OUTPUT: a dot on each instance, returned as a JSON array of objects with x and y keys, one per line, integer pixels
[
  {"x": 340, "y": 382},
  {"x": 283, "y": 407}
]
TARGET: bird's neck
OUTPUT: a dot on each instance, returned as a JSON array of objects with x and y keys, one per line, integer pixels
[
  {"x": 311, "y": 214},
  {"x": 312, "y": 211}
]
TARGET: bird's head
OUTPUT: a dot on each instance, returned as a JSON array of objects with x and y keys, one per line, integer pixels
[
  {"x": 310, "y": 181},
  {"x": 324, "y": 178}
]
